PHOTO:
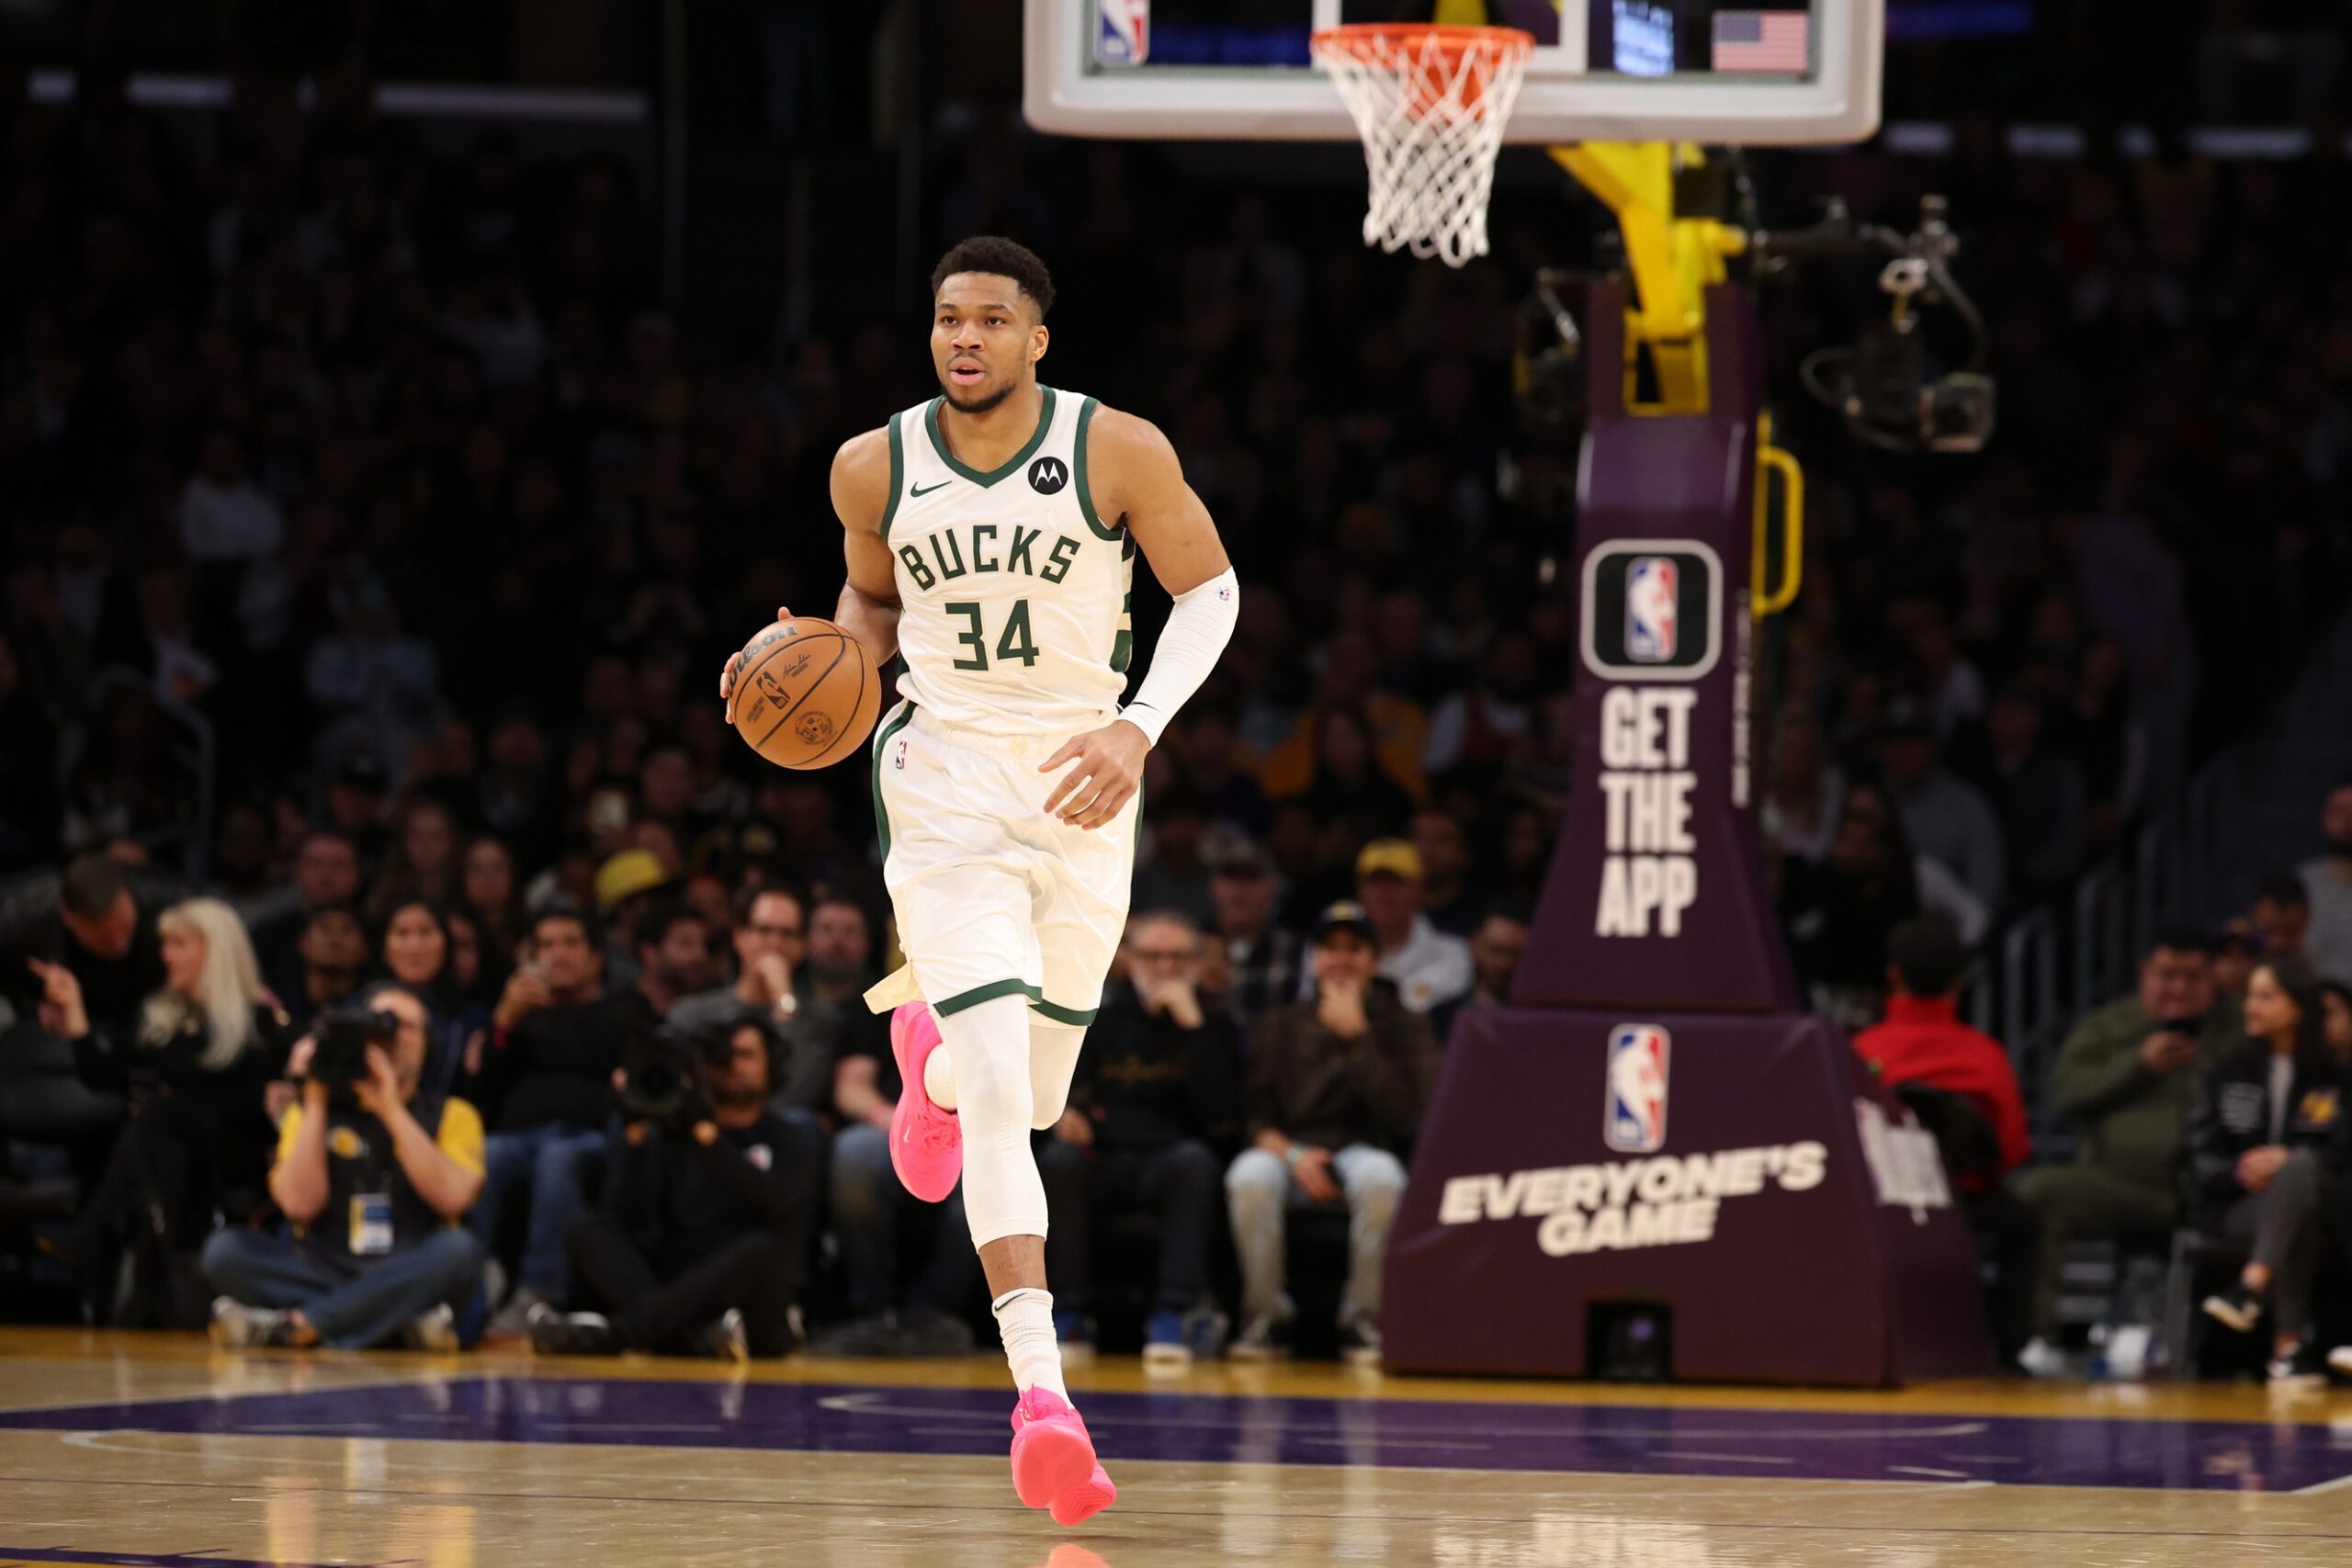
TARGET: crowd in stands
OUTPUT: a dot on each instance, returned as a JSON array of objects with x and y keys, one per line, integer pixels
[{"x": 378, "y": 465}]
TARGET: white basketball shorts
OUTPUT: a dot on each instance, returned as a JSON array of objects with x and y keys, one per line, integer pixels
[{"x": 994, "y": 897}]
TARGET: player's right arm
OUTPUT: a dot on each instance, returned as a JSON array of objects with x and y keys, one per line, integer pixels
[
  {"x": 869, "y": 603},
  {"x": 868, "y": 609}
]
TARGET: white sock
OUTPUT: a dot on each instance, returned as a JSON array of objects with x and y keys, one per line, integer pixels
[
  {"x": 1026, "y": 1318},
  {"x": 939, "y": 1079}
]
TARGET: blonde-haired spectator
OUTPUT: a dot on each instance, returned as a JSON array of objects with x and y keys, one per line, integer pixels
[{"x": 196, "y": 1147}]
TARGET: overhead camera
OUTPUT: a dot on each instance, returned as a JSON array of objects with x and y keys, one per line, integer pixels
[
  {"x": 1889, "y": 385},
  {"x": 1898, "y": 386}
]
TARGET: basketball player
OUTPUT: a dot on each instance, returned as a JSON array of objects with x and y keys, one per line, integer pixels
[{"x": 990, "y": 537}]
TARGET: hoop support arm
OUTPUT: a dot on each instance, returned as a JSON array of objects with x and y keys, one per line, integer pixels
[{"x": 1672, "y": 259}]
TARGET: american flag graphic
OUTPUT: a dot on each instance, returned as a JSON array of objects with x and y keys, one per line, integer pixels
[{"x": 1763, "y": 40}]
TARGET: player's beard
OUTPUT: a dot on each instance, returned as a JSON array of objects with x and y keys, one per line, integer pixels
[{"x": 987, "y": 402}]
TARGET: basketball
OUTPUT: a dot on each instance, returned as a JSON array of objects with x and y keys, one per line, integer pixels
[{"x": 807, "y": 695}]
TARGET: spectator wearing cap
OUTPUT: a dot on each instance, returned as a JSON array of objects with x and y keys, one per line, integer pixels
[
  {"x": 546, "y": 1090},
  {"x": 1337, "y": 1084},
  {"x": 1174, "y": 876},
  {"x": 2127, "y": 1075},
  {"x": 626, "y": 882},
  {"x": 326, "y": 871},
  {"x": 1263, "y": 956},
  {"x": 1947, "y": 820},
  {"x": 1155, "y": 1111},
  {"x": 2282, "y": 915},
  {"x": 2327, "y": 884},
  {"x": 1449, "y": 896},
  {"x": 1430, "y": 969}
]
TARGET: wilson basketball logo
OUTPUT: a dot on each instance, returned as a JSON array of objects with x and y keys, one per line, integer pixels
[
  {"x": 1651, "y": 587},
  {"x": 1636, "y": 1090}
]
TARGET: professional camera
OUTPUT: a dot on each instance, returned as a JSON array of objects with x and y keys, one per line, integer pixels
[
  {"x": 664, "y": 1078},
  {"x": 340, "y": 1058}
]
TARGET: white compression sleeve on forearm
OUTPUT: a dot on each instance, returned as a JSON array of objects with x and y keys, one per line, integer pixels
[{"x": 1194, "y": 639}]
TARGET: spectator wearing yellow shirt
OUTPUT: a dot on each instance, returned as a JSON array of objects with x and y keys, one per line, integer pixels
[{"x": 373, "y": 1182}]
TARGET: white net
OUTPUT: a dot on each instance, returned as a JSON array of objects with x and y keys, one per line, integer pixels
[{"x": 1431, "y": 103}]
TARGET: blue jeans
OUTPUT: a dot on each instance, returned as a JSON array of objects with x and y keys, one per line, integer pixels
[
  {"x": 1259, "y": 1192},
  {"x": 553, "y": 1163},
  {"x": 867, "y": 1200},
  {"x": 354, "y": 1303}
]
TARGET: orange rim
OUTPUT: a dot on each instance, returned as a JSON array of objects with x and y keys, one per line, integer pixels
[{"x": 1452, "y": 38}]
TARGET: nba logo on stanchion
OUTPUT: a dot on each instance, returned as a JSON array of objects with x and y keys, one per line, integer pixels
[
  {"x": 1123, "y": 32},
  {"x": 1637, "y": 1058},
  {"x": 1650, "y": 592}
]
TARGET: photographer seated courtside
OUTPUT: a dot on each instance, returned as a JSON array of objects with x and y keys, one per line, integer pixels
[
  {"x": 374, "y": 1176},
  {"x": 708, "y": 1197}
]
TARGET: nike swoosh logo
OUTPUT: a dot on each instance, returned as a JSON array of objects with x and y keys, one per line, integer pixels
[{"x": 926, "y": 489}]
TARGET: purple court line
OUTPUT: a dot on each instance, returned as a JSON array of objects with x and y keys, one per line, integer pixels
[
  {"x": 48, "y": 1554},
  {"x": 1229, "y": 1428}
]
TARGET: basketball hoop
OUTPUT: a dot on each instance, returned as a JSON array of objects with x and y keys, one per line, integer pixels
[{"x": 1430, "y": 102}]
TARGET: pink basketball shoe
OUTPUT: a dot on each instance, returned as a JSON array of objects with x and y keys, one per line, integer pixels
[
  {"x": 926, "y": 1143},
  {"x": 1053, "y": 1460}
]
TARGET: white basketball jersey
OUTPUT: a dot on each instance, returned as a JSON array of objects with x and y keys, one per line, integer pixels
[{"x": 1015, "y": 595}]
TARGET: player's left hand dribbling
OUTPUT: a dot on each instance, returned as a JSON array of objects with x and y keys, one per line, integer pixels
[{"x": 1105, "y": 770}]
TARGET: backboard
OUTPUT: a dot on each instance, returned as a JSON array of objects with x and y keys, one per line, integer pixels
[{"x": 1757, "y": 72}]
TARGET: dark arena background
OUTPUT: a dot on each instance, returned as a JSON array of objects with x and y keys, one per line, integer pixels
[{"x": 1802, "y": 629}]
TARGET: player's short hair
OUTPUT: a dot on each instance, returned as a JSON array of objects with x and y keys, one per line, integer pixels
[{"x": 1006, "y": 258}]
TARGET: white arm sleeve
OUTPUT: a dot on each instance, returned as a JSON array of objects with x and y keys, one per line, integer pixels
[{"x": 1197, "y": 630}]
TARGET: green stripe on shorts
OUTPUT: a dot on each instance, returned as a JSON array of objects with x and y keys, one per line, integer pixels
[
  {"x": 996, "y": 988},
  {"x": 881, "y": 741}
]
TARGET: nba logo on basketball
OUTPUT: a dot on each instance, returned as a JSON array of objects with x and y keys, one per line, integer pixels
[
  {"x": 1637, "y": 1055},
  {"x": 1122, "y": 33},
  {"x": 1650, "y": 589}
]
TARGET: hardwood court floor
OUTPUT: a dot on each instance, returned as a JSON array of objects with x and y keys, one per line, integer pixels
[{"x": 154, "y": 1451}]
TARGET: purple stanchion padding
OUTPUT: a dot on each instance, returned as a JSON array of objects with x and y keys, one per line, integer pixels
[
  {"x": 1656, "y": 896},
  {"x": 1795, "y": 1219},
  {"x": 1651, "y": 1120}
]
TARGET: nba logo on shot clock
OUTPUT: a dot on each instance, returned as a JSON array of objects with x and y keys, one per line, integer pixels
[
  {"x": 1122, "y": 32},
  {"x": 1650, "y": 594},
  {"x": 1636, "y": 1090}
]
